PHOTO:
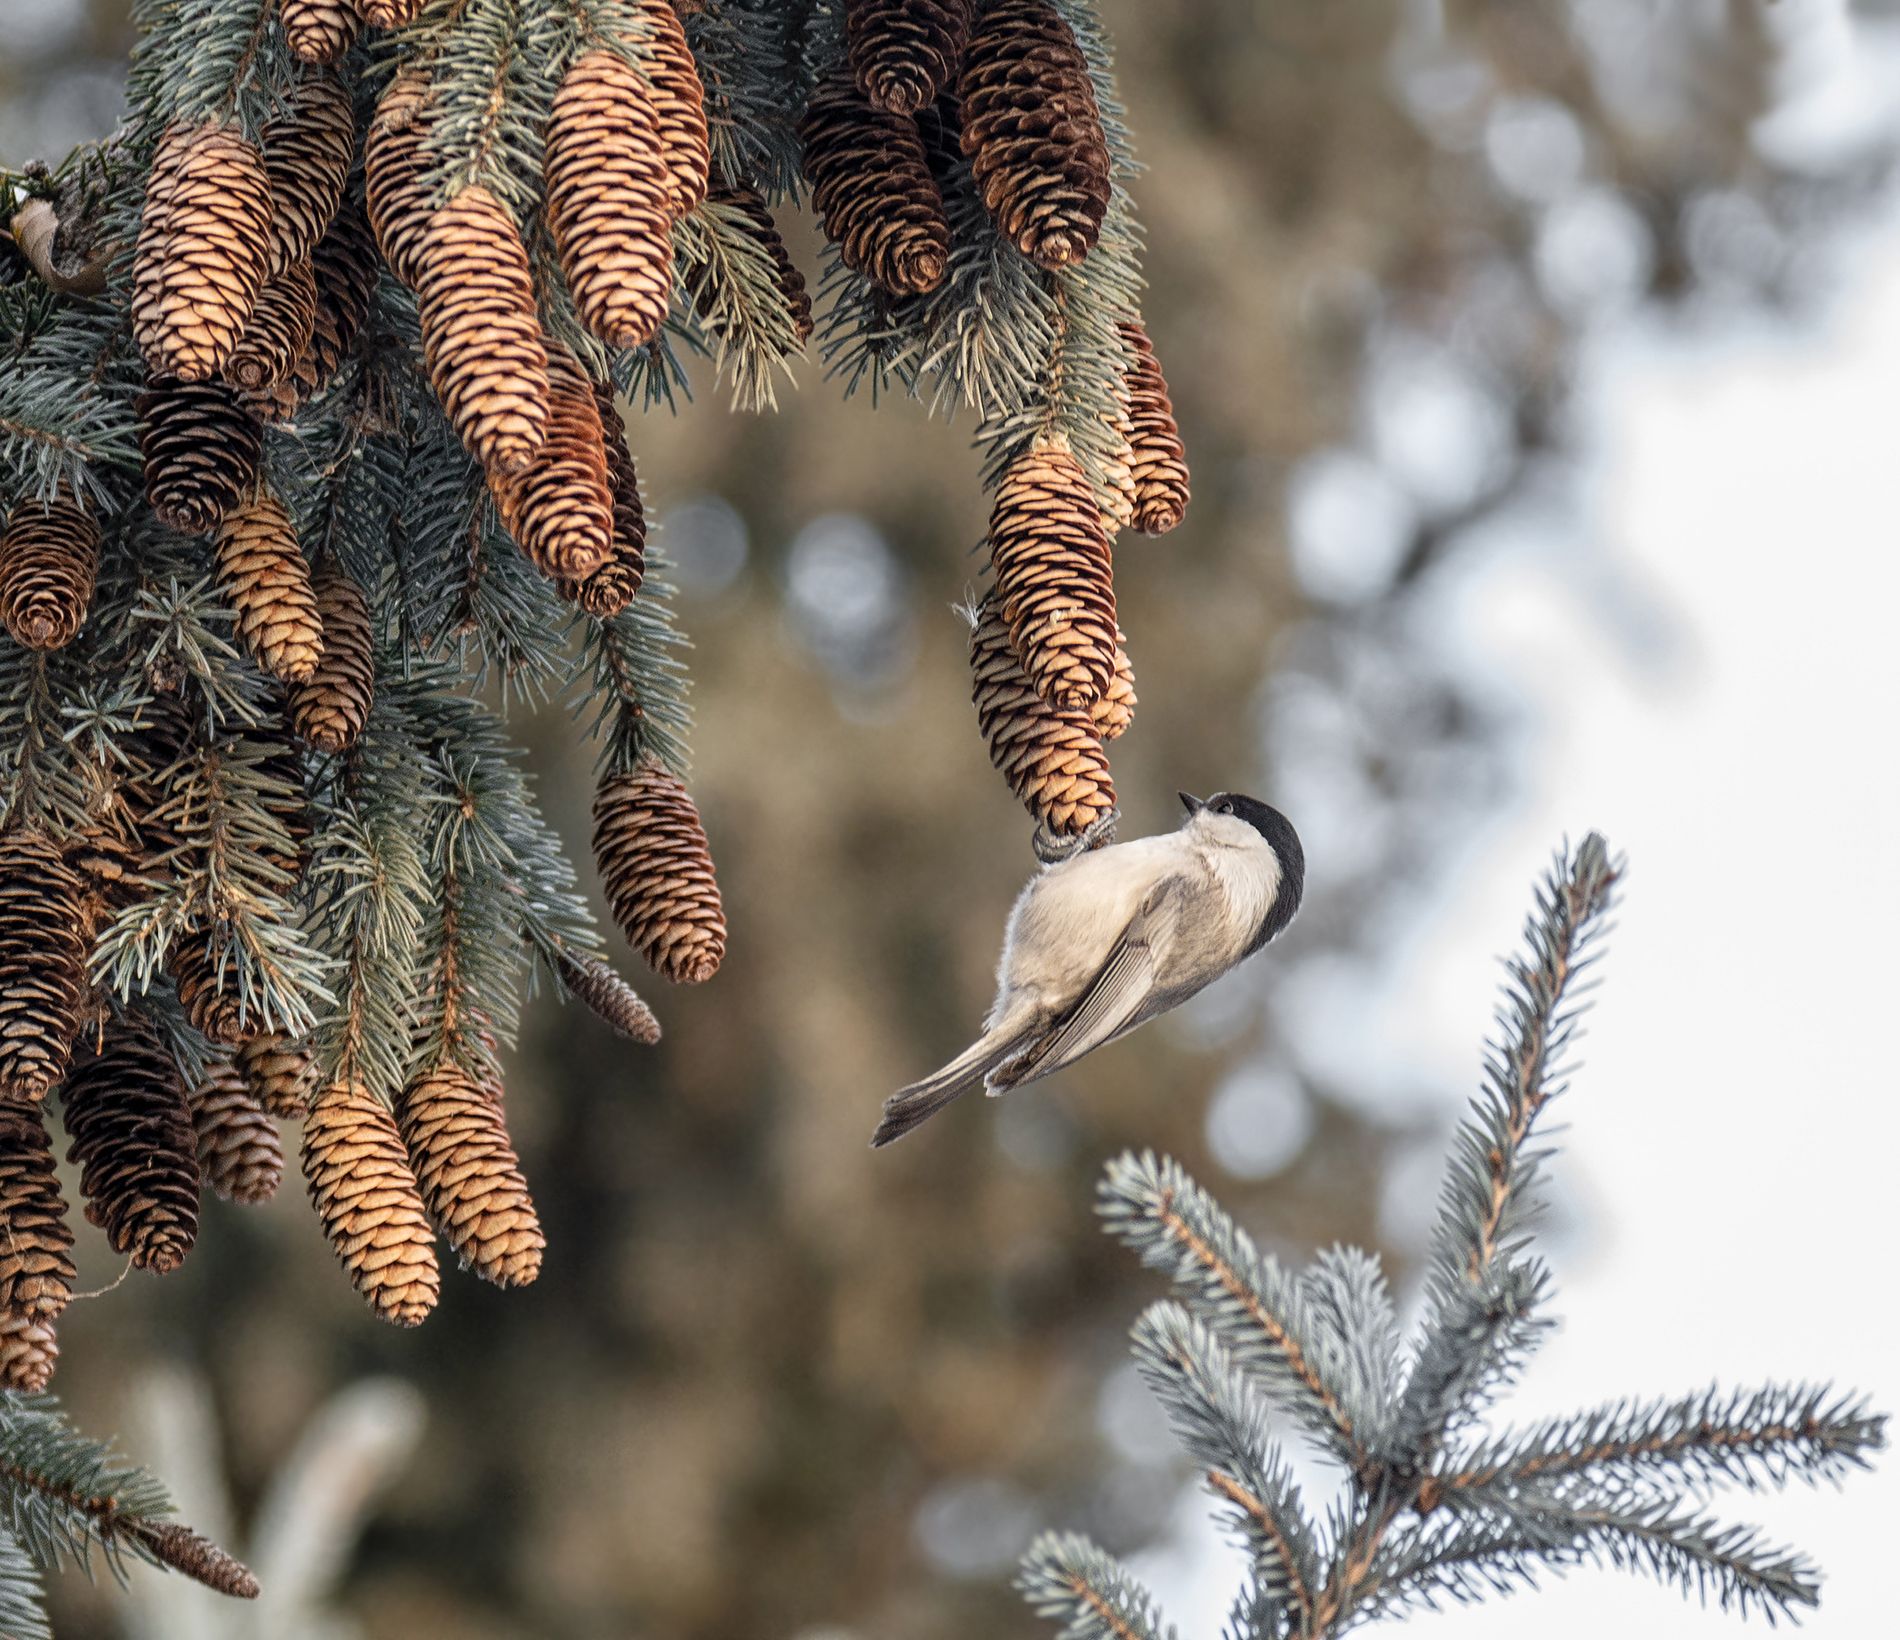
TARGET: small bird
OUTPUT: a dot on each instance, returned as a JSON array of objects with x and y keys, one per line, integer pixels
[{"x": 1108, "y": 939}]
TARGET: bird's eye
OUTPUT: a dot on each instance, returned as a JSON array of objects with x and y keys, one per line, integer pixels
[{"x": 1223, "y": 807}]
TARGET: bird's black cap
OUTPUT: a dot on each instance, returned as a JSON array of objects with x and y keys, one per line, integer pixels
[{"x": 1278, "y": 831}]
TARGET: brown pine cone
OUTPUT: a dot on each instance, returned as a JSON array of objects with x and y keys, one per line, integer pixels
[
  {"x": 279, "y": 1073},
  {"x": 42, "y": 964},
  {"x": 209, "y": 996},
  {"x": 239, "y": 1153},
  {"x": 307, "y": 151},
  {"x": 49, "y": 560},
  {"x": 1157, "y": 458},
  {"x": 201, "y": 451},
  {"x": 1054, "y": 580},
  {"x": 679, "y": 104},
  {"x": 613, "y": 585},
  {"x": 204, "y": 247},
  {"x": 261, "y": 570},
  {"x": 36, "y": 1242},
  {"x": 277, "y": 331},
  {"x": 1052, "y": 758},
  {"x": 481, "y": 330},
  {"x": 1033, "y": 132},
  {"x": 470, "y": 1180},
  {"x": 903, "y": 52},
  {"x": 607, "y": 200},
  {"x": 560, "y": 506},
  {"x": 329, "y": 708},
  {"x": 872, "y": 186},
  {"x": 390, "y": 13},
  {"x": 367, "y": 1200},
  {"x": 28, "y": 1352},
  {"x": 1115, "y": 711},
  {"x": 131, "y": 1137},
  {"x": 611, "y": 999},
  {"x": 319, "y": 31},
  {"x": 346, "y": 269},
  {"x": 192, "y": 1555},
  {"x": 755, "y": 217},
  {"x": 658, "y": 873},
  {"x": 396, "y": 173}
]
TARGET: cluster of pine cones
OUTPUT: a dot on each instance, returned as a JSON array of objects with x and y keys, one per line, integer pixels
[
  {"x": 253, "y": 277},
  {"x": 253, "y": 281},
  {"x": 1006, "y": 86}
]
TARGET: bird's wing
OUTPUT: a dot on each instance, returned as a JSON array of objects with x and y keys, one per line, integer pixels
[{"x": 1112, "y": 1002}]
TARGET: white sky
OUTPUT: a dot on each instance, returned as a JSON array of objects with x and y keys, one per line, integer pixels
[{"x": 1729, "y": 1167}]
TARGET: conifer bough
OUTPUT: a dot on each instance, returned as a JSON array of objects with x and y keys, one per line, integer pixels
[
  {"x": 1436, "y": 1508},
  {"x": 343, "y": 434}
]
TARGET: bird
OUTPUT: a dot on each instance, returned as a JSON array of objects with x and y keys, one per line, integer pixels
[{"x": 1104, "y": 941}]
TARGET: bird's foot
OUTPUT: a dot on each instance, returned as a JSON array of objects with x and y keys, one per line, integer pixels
[{"x": 1052, "y": 850}]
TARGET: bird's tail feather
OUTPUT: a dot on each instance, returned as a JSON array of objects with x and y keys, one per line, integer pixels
[{"x": 917, "y": 1103}]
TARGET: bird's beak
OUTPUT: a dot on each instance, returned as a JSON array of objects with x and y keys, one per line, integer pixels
[{"x": 1192, "y": 804}]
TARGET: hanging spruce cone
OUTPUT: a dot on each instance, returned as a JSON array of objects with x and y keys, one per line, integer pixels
[
  {"x": 395, "y": 173},
  {"x": 200, "y": 449},
  {"x": 1054, "y": 580},
  {"x": 204, "y": 247},
  {"x": 611, "y": 999},
  {"x": 28, "y": 1353},
  {"x": 192, "y": 1555},
  {"x": 239, "y": 1153},
  {"x": 1115, "y": 711},
  {"x": 36, "y": 1242},
  {"x": 42, "y": 964},
  {"x": 608, "y": 202},
  {"x": 679, "y": 105},
  {"x": 346, "y": 270},
  {"x": 481, "y": 331},
  {"x": 1052, "y": 758},
  {"x": 872, "y": 186},
  {"x": 277, "y": 332},
  {"x": 1157, "y": 458},
  {"x": 612, "y": 587},
  {"x": 307, "y": 151},
  {"x": 280, "y": 1074},
  {"x": 903, "y": 52},
  {"x": 367, "y": 1199},
  {"x": 1033, "y": 132},
  {"x": 560, "y": 507},
  {"x": 470, "y": 1180},
  {"x": 132, "y": 1139},
  {"x": 390, "y": 13},
  {"x": 209, "y": 995},
  {"x": 329, "y": 708},
  {"x": 261, "y": 570},
  {"x": 319, "y": 31},
  {"x": 755, "y": 217},
  {"x": 658, "y": 873},
  {"x": 49, "y": 559}
]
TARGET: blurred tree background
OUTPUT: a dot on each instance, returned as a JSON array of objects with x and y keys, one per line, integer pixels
[{"x": 770, "y": 1383}]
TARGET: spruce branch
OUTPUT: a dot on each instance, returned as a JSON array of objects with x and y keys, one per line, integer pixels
[
  {"x": 1759, "y": 1439},
  {"x": 1259, "y": 1313},
  {"x": 1223, "y": 1426},
  {"x": 66, "y": 1497},
  {"x": 1090, "y": 1594},
  {"x": 740, "y": 307},
  {"x": 1431, "y": 1512}
]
